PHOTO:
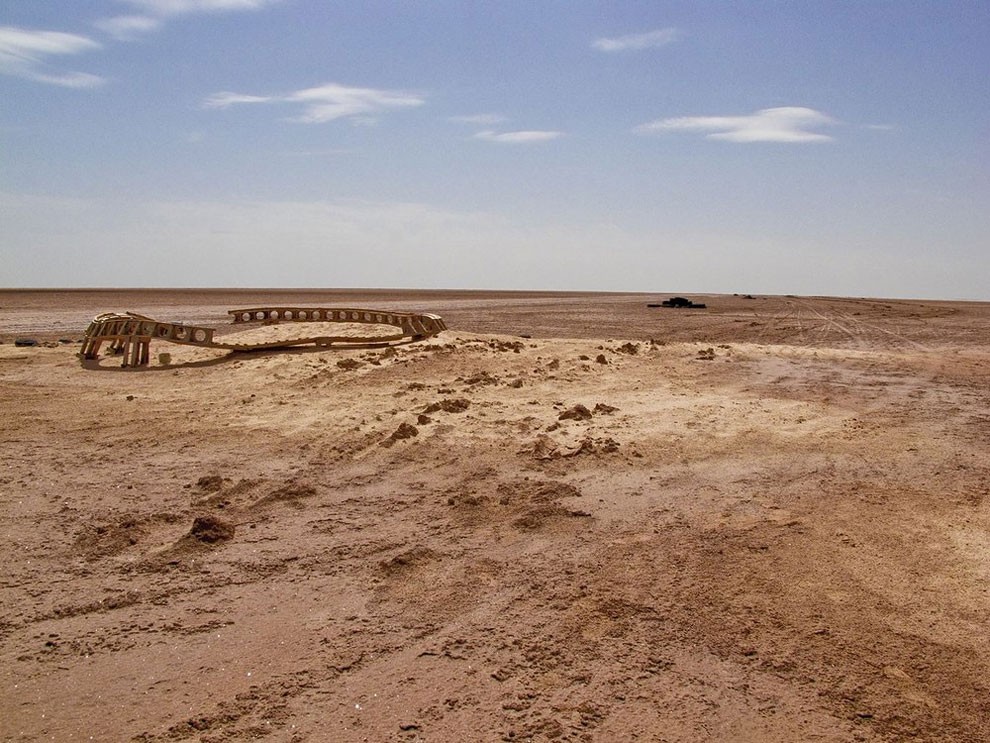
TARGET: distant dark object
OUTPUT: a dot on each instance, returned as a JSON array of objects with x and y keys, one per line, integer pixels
[
  {"x": 679, "y": 303},
  {"x": 25, "y": 342}
]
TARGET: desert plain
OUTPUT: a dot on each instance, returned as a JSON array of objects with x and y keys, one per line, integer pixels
[{"x": 569, "y": 517}]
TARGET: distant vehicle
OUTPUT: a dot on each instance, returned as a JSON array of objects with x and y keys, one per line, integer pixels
[{"x": 679, "y": 303}]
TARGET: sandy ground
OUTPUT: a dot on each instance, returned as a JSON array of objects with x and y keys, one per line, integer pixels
[{"x": 569, "y": 517}]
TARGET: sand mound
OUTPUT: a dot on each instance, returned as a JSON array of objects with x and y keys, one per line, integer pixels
[
  {"x": 210, "y": 530},
  {"x": 106, "y": 540}
]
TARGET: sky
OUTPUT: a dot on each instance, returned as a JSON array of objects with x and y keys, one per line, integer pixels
[{"x": 839, "y": 147}]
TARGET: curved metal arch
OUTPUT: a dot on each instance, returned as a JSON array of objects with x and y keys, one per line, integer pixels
[{"x": 130, "y": 334}]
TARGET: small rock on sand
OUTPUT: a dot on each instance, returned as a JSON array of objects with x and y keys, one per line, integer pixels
[
  {"x": 211, "y": 530},
  {"x": 577, "y": 413}
]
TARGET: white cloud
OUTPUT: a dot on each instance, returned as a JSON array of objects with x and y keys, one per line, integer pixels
[
  {"x": 128, "y": 27},
  {"x": 71, "y": 79},
  {"x": 186, "y": 7},
  {"x": 23, "y": 53},
  {"x": 152, "y": 13},
  {"x": 332, "y": 101},
  {"x": 328, "y": 102},
  {"x": 634, "y": 42},
  {"x": 223, "y": 100},
  {"x": 525, "y": 136},
  {"x": 784, "y": 124},
  {"x": 479, "y": 119},
  {"x": 520, "y": 137}
]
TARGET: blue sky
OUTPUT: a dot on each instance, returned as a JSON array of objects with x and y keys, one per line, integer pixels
[{"x": 838, "y": 148}]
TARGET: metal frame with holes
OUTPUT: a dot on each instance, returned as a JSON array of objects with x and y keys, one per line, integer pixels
[{"x": 130, "y": 334}]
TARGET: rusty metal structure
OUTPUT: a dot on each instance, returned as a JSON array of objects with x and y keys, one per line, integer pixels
[{"x": 129, "y": 335}]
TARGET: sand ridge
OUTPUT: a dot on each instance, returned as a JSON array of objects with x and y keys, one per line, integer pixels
[{"x": 671, "y": 534}]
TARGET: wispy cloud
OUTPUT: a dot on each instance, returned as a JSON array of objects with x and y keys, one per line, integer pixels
[
  {"x": 184, "y": 7},
  {"x": 479, "y": 119},
  {"x": 633, "y": 42},
  {"x": 151, "y": 14},
  {"x": 128, "y": 27},
  {"x": 328, "y": 102},
  {"x": 784, "y": 124},
  {"x": 23, "y": 53},
  {"x": 526, "y": 136},
  {"x": 223, "y": 100},
  {"x": 520, "y": 137}
]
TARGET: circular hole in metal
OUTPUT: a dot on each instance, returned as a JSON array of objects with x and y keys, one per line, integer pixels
[{"x": 199, "y": 335}]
